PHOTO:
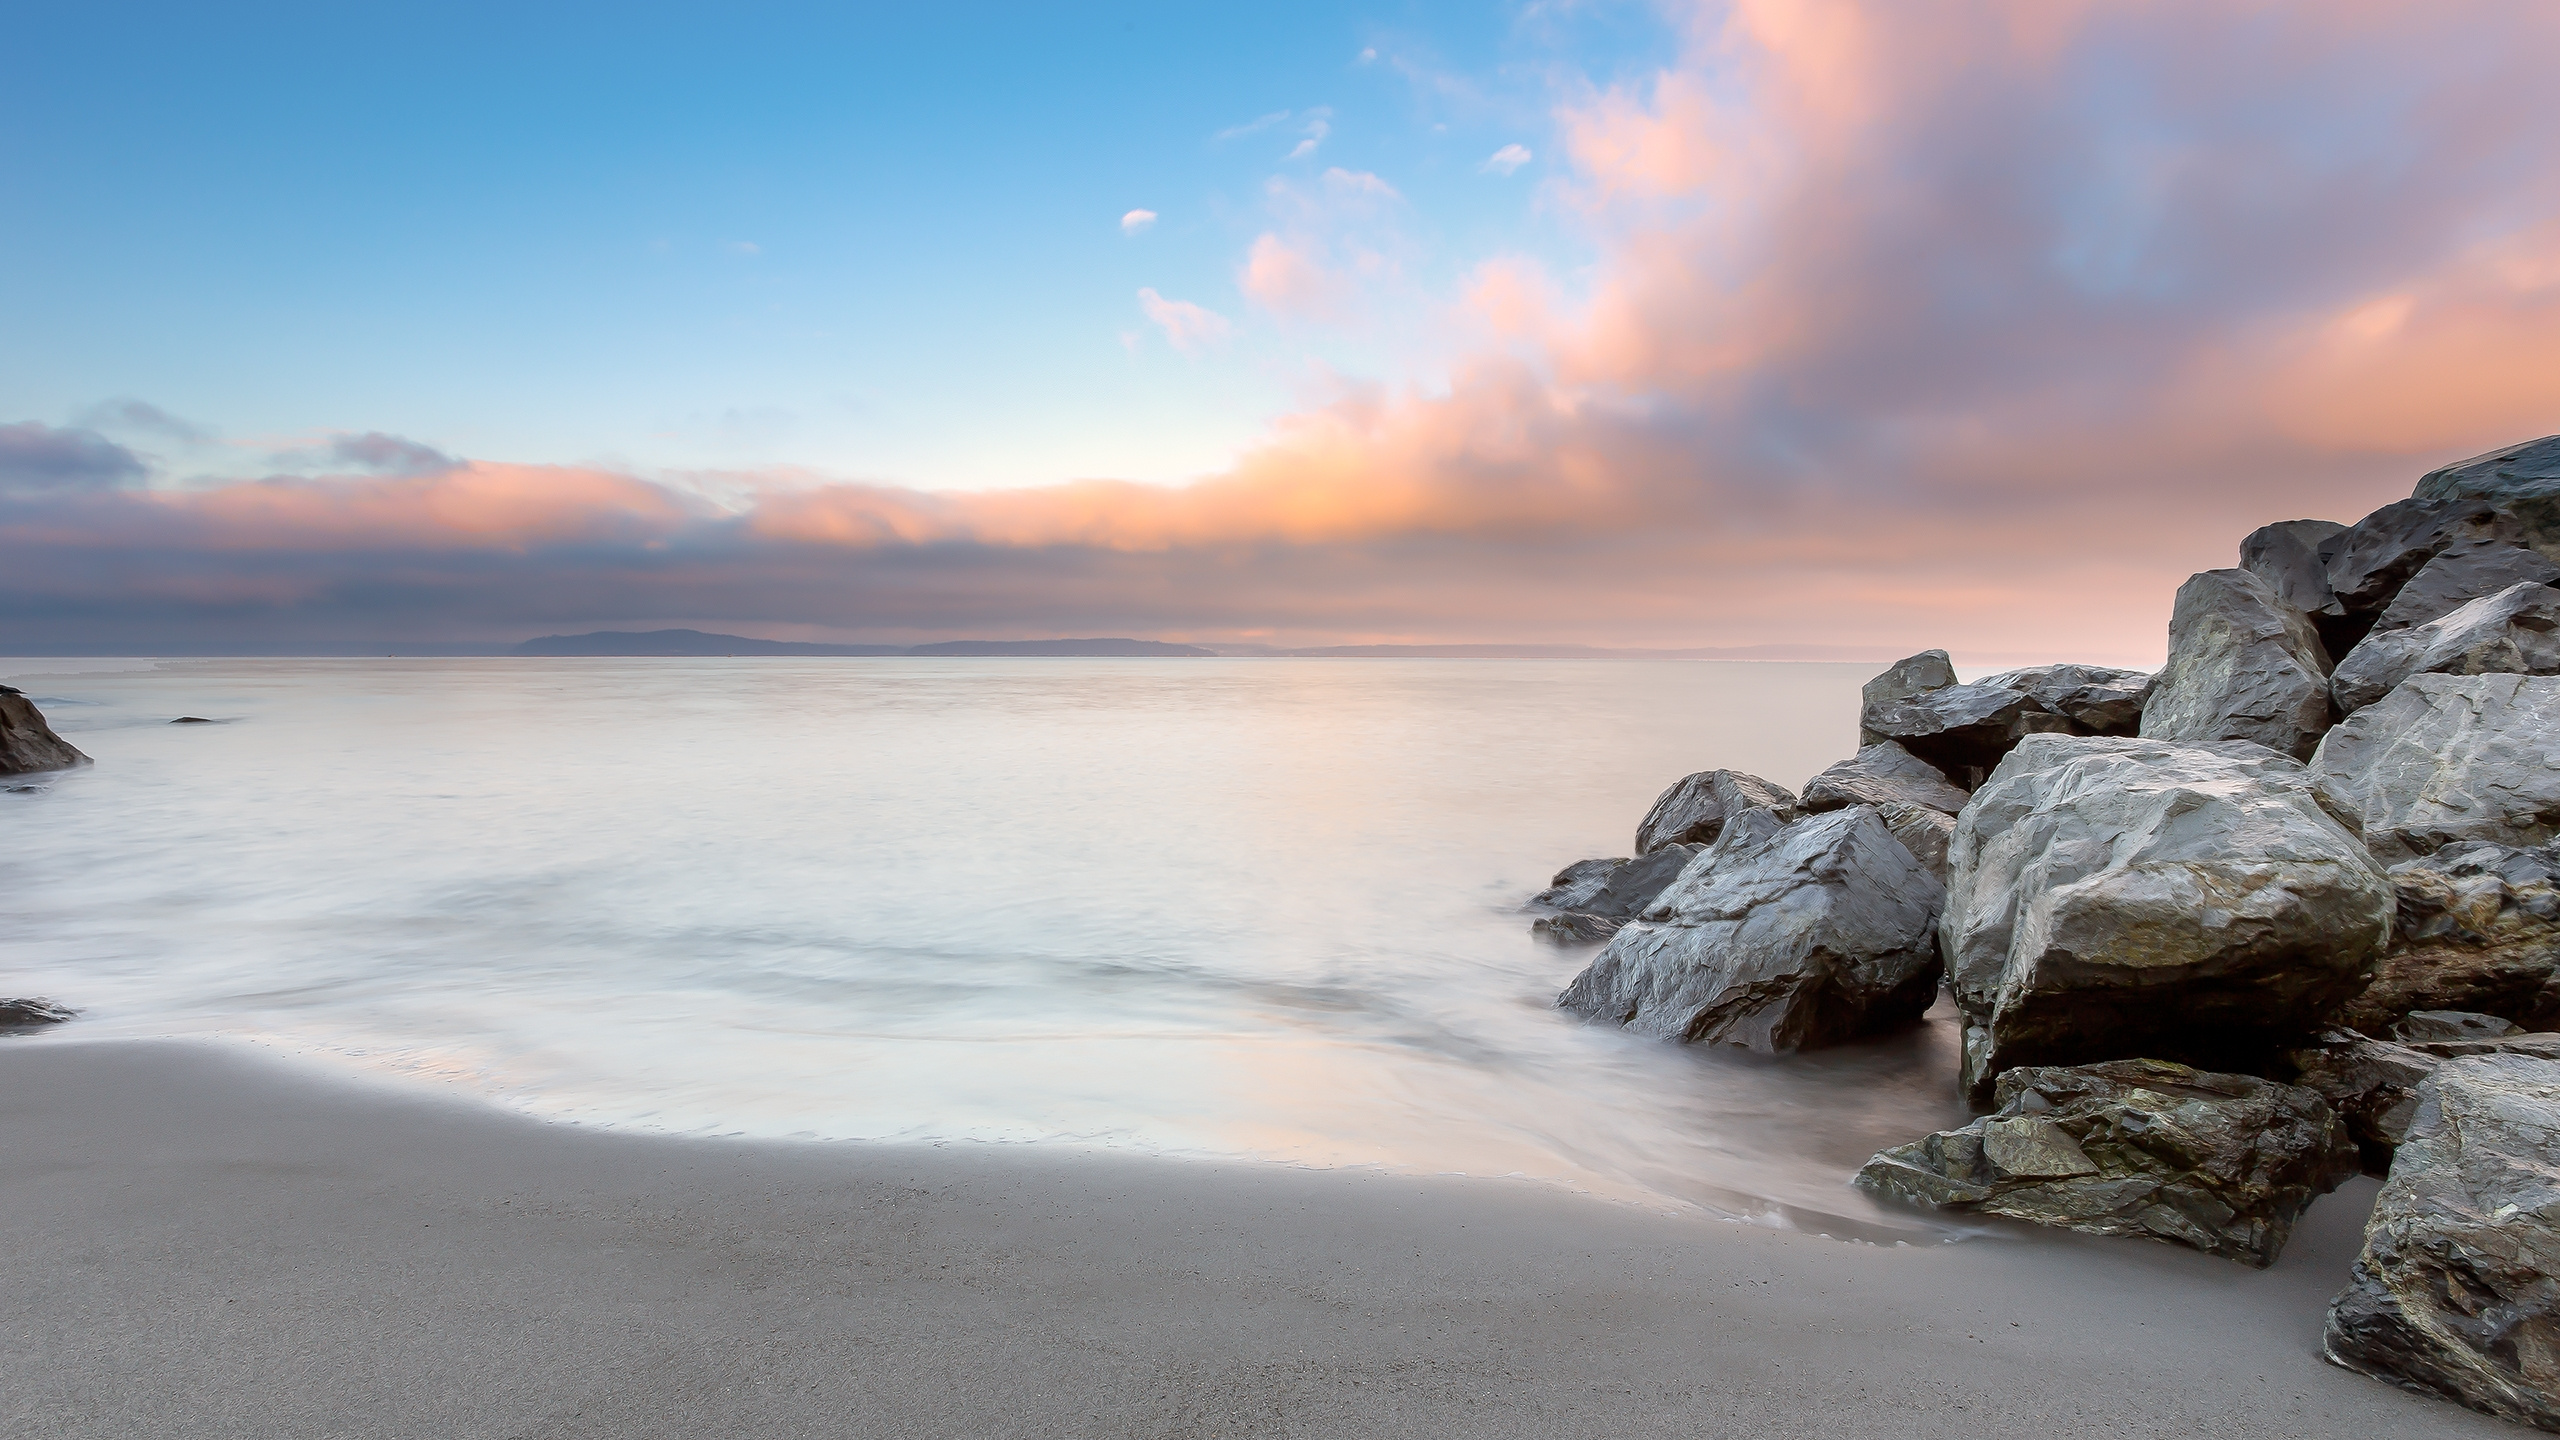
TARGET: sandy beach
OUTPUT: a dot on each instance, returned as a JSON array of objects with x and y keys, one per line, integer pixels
[{"x": 208, "y": 1241}]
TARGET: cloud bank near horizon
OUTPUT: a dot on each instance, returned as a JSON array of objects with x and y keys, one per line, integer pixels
[{"x": 1977, "y": 328}]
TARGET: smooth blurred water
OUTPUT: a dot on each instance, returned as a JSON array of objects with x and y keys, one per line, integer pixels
[{"x": 1247, "y": 908}]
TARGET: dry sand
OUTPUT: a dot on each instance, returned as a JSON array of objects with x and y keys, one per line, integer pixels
[{"x": 203, "y": 1241}]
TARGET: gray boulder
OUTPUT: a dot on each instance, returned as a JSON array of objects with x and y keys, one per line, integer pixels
[
  {"x": 2477, "y": 930},
  {"x": 2444, "y": 758},
  {"x": 2110, "y": 898},
  {"x": 2098, "y": 699},
  {"x": 2224, "y": 1163},
  {"x": 2292, "y": 556},
  {"x": 27, "y": 743},
  {"x": 1593, "y": 898},
  {"x": 2460, "y": 575},
  {"x": 1883, "y": 774},
  {"x": 2522, "y": 480},
  {"x": 2370, "y": 563},
  {"x": 1779, "y": 938},
  {"x": 1695, "y": 810},
  {"x": 2242, "y": 666},
  {"x": 1925, "y": 831},
  {"x": 2457, "y": 1291},
  {"x": 2515, "y": 631},
  {"x": 1963, "y": 730},
  {"x": 1913, "y": 675},
  {"x": 2373, "y": 1084},
  {"x": 2421, "y": 1027}
]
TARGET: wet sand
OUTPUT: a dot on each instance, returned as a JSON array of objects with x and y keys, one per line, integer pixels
[{"x": 205, "y": 1241}]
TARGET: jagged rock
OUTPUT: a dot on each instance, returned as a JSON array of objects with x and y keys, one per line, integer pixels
[
  {"x": 1695, "y": 811},
  {"x": 2098, "y": 699},
  {"x": 2460, "y": 575},
  {"x": 27, "y": 744},
  {"x": 2224, "y": 1163},
  {"x": 2420, "y": 1026},
  {"x": 2478, "y": 930},
  {"x": 2373, "y": 1084},
  {"x": 1574, "y": 927},
  {"x": 1924, "y": 830},
  {"x": 2522, "y": 480},
  {"x": 2444, "y": 758},
  {"x": 1912, "y": 675},
  {"x": 2370, "y": 563},
  {"x": 2242, "y": 666},
  {"x": 1597, "y": 896},
  {"x": 2515, "y": 631},
  {"x": 2457, "y": 1291},
  {"x": 1882, "y": 774},
  {"x": 2110, "y": 898},
  {"x": 29, "y": 1014},
  {"x": 1964, "y": 729},
  {"x": 2292, "y": 556},
  {"x": 1781, "y": 937}
]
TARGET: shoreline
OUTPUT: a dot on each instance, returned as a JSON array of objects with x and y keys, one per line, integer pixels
[{"x": 214, "y": 1242}]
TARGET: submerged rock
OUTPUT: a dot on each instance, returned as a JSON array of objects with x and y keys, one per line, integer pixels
[
  {"x": 2521, "y": 480},
  {"x": 2292, "y": 556},
  {"x": 1595, "y": 897},
  {"x": 2457, "y": 1291},
  {"x": 27, "y": 743},
  {"x": 30, "y": 1014},
  {"x": 2242, "y": 666},
  {"x": 2515, "y": 631},
  {"x": 2111, "y": 898},
  {"x": 2224, "y": 1163},
  {"x": 1696, "y": 809},
  {"x": 1781, "y": 937},
  {"x": 1912, "y": 675},
  {"x": 2099, "y": 699},
  {"x": 2445, "y": 758},
  {"x": 1882, "y": 774},
  {"x": 2477, "y": 929}
]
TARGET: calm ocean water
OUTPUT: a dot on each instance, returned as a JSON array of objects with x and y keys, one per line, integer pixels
[{"x": 1267, "y": 909}]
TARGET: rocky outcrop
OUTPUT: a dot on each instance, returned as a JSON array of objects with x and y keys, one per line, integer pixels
[
  {"x": 2224, "y": 1163},
  {"x": 1592, "y": 898},
  {"x": 1963, "y": 730},
  {"x": 2376, "y": 556},
  {"x": 2477, "y": 930},
  {"x": 2242, "y": 666},
  {"x": 2522, "y": 481},
  {"x": 2373, "y": 1084},
  {"x": 27, "y": 743},
  {"x": 2446, "y": 758},
  {"x": 2460, "y": 575},
  {"x": 2110, "y": 898},
  {"x": 2096, "y": 699},
  {"x": 2515, "y": 631},
  {"x": 1780, "y": 937},
  {"x": 2455, "y": 1291},
  {"x": 1913, "y": 675},
  {"x": 1883, "y": 774},
  {"x": 2292, "y": 556},
  {"x": 1696, "y": 810}
]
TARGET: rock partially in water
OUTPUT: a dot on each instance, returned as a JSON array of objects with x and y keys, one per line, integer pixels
[
  {"x": 2292, "y": 556},
  {"x": 2111, "y": 898},
  {"x": 1575, "y": 927},
  {"x": 191, "y": 720},
  {"x": 2457, "y": 1291},
  {"x": 2373, "y": 1084},
  {"x": 2460, "y": 575},
  {"x": 1912, "y": 675},
  {"x": 2521, "y": 480},
  {"x": 21, "y": 1015},
  {"x": 27, "y": 744},
  {"x": 2242, "y": 666},
  {"x": 1963, "y": 730},
  {"x": 2477, "y": 929},
  {"x": 1696, "y": 810},
  {"x": 2099, "y": 699},
  {"x": 1882, "y": 774},
  {"x": 1595, "y": 897},
  {"x": 2224, "y": 1163},
  {"x": 2513, "y": 632},
  {"x": 1780, "y": 938},
  {"x": 2447, "y": 758}
]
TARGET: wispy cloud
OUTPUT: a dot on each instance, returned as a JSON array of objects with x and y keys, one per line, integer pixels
[
  {"x": 1318, "y": 126},
  {"x": 1137, "y": 222},
  {"x": 1254, "y": 126},
  {"x": 1506, "y": 160},
  {"x": 1187, "y": 327}
]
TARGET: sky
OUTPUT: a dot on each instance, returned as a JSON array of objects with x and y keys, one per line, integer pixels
[{"x": 1857, "y": 323}]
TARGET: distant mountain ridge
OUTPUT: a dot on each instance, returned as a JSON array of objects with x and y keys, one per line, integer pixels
[{"x": 642, "y": 643}]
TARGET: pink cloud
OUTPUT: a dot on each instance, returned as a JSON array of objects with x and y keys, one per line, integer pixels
[{"x": 1187, "y": 327}]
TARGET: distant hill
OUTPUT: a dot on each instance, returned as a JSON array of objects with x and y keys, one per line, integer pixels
[{"x": 696, "y": 642}]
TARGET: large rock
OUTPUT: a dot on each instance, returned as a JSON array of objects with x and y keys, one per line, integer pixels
[
  {"x": 2460, "y": 575},
  {"x": 2242, "y": 666},
  {"x": 1695, "y": 810},
  {"x": 2098, "y": 699},
  {"x": 1780, "y": 937},
  {"x": 2477, "y": 929},
  {"x": 1592, "y": 898},
  {"x": 1924, "y": 830},
  {"x": 1912, "y": 675},
  {"x": 2444, "y": 758},
  {"x": 2521, "y": 480},
  {"x": 1883, "y": 774},
  {"x": 2457, "y": 1291},
  {"x": 2373, "y": 1084},
  {"x": 1963, "y": 730},
  {"x": 2370, "y": 563},
  {"x": 2513, "y": 632},
  {"x": 27, "y": 744},
  {"x": 2225, "y": 1163},
  {"x": 2110, "y": 898},
  {"x": 2292, "y": 556}
]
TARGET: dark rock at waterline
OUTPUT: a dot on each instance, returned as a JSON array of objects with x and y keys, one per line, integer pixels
[
  {"x": 1575, "y": 927},
  {"x": 1594, "y": 897},
  {"x": 18, "y": 1016},
  {"x": 2242, "y": 666},
  {"x": 2457, "y": 1290},
  {"x": 191, "y": 720},
  {"x": 2292, "y": 556},
  {"x": 2098, "y": 699},
  {"x": 1781, "y": 937},
  {"x": 2111, "y": 898},
  {"x": 1882, "y": 774},
  {"x": 27, "y": 743},
  {"x": 1912, "y": 675},
  {"x": 2447, "y": 758},
  {"x": 1695, "y": 810},
  {"x": 2513, "y": 632},
  {"x": 2373, "y": 1084},
  {"x": 2521, "y": 480},
  {"x": 2477, "y": 930},
  {"x": 1963, "y": 730},
  {"x": 2223, "y": 1163}
]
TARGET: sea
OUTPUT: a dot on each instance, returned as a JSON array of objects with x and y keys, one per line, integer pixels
[{"x": 1264, "y": 910}]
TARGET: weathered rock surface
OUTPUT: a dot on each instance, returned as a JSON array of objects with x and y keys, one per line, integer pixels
[
  {"x": 2242, "y": 666},
  {"x": 1925, "y": 831},
  {"x": 1595, "y": 897},
  {"x": 2370, "y": 563},
  {"x": 2373, "y": 1084},
  {"x": 27, "y": 744},
  {"x": 1781, "y": 937},
  {"x": 2224, "y": 1163},
  {"x": 2110, "y": 898},
  {"x": 1574, "y": 927},
  {"x": 2420, "y": 1027},
  {"x": 1913, "y": 675},
  {"x": 1695, "y": 810},
  {"x": 2457, "y": 1291},
  {"x": 2522, "y": 480},
  {"x": 2292, "y": 556},
  {"x": 2515, "y": 631},
  {"x": 1964, "y": 729},
  {"x": 30, "y": 1014},
  {"x": 2098, "y": 699},
  {"x": 2460, "y": 575},
  {"x": 2446, "y": 758},
  {"x": 2478, "y": 930},
  {"x": 1884, "y": 774}
]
